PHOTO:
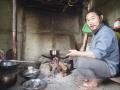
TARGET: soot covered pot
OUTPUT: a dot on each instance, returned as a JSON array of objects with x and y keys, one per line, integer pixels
[
  {"x": 8, "y": 65},
  {"x": 7, "y": 79},
  {"x": 8, "y": 73}
]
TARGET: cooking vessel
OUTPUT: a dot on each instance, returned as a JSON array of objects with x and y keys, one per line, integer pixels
[
  {"x": 34, "y": 84},
  {"x": 31, "y": 73},
  {"x": 7, "y": 79},
  {"x": 8, "y": 65},
  {"x": 55, "y": 53}
]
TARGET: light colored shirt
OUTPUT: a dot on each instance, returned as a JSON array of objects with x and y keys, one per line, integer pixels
[{"x": 104, "y": 45}]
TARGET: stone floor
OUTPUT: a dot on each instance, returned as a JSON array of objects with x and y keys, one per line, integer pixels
[
  {"x": 105, "y": 85},
  {"x": 109, "y": 85},
  {"x": 68, "y": 85}
]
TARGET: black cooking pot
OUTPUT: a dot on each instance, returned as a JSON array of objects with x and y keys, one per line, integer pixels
[
  {"x": 7, "y": 79},
  {"x": 55, "y": 53},
  {"x": 8, "y": 65}
]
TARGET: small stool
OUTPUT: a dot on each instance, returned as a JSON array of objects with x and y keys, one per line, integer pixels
[{"x": 116, "y": 78}]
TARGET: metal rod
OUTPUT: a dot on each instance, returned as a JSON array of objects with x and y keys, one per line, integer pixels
[
  {"x": 18, "y": 61},
  {"x": 22, "y": 61}
]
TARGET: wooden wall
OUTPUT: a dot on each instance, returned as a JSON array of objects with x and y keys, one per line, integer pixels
[{"x": 111, "y": 10}]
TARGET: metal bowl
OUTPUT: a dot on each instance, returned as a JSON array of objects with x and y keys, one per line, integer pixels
[
  {"x": 34, "y": 84},
  {"x": 31, "y": 74}
]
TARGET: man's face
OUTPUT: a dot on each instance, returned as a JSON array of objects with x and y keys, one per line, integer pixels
[{"x": 93, "y": 20}]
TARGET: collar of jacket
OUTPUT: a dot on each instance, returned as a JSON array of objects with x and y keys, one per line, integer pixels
[{"x": 96, "y": 31}]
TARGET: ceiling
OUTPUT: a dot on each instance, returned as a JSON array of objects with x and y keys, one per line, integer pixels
[
  {"x": 54, "y": 5},
  {"x": 101, "y": 3},
  {"x": 61, "y": 5}
]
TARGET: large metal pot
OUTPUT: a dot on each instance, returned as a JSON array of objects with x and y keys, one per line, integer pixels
[
  {"x": 7, "y": 79},
  {"x": 8, "y": 73},
  {"x": 8, "y": 65}
]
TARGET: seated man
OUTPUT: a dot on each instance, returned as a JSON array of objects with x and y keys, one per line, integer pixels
[{"x": 102, "y": 59}]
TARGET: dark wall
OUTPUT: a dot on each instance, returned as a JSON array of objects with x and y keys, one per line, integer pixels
[
  {"x": 5, "y": 25},
  {"x": 44, "y": 31}
]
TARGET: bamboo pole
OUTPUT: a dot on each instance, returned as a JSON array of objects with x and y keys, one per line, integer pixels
[{"x": 14, "y": 31}]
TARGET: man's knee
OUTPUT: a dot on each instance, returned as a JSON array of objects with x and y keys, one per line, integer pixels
[{"x": 83, "y": 62}]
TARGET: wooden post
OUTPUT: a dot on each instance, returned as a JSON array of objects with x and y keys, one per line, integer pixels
[
  {"x": 14, "y": 31},
  {"x": 90, "y": 5}
]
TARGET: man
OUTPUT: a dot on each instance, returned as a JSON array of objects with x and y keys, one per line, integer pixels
[{"x": 102, "y": 60}]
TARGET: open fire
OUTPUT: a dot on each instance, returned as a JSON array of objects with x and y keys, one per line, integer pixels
[{"x": 54, "y": 68}]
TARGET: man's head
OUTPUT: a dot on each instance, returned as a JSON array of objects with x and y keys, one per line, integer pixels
[{"x": 94, "y": 19}]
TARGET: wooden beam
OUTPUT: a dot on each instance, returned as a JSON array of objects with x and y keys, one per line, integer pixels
[{"x": 14, "y": 29}]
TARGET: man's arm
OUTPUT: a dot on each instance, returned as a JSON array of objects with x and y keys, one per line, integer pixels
[
  {"x": 85, "y": 40},
  {"x": 81, "y": 53}
]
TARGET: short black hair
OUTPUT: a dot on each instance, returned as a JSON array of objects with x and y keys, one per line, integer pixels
[{"x": 97, "y": 11}]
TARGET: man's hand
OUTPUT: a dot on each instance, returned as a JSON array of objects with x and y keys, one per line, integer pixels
[
  {"x": 73, "y": 53},
  {"x": 81, "y": 53}
]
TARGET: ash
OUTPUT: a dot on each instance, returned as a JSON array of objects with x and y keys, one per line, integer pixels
[
  {"x": 59, "y": 81},
  {"x": 63, "y": 83}
]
